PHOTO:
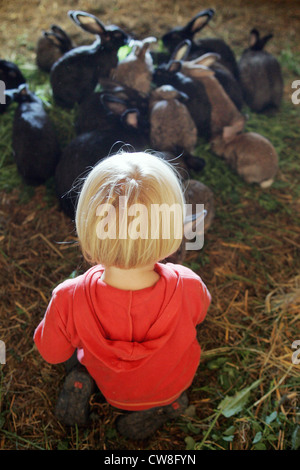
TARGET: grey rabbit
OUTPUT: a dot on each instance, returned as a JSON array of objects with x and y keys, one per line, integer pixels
[
  {"x": 51, "y": 46},
  {"x": 226, "y": 119},
  {"x": 260, "y": 75},
  {"x": 75, "y": 75},
  {"x": 135, "y": 70},
  {"x": 34, "y": 141},
  {"x": 85, "y": 150},
  {"x": 171, "y": 124},
  {"x": 251, "y": 155},
  {"x": 12, "y": 77},
  {"x": 201, "y": 46}
]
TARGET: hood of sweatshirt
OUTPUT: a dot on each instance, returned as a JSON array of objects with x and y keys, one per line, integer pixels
[{"x": 124, "y": 328}]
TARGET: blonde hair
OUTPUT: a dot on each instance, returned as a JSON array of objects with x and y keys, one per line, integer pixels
[{"x": 140, "y": 178}]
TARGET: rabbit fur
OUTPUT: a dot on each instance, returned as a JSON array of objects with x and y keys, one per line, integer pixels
[
  {"x": 75, "y": 75},
  {"x": 260, "y": 75},
  {"x": 251, "y": 155},
  {"x": 51, "y": 46},
  {"x": 135, "y": 71}
]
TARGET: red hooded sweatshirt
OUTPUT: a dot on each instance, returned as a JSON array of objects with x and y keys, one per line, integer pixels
[{"x": 140, "y": 346}]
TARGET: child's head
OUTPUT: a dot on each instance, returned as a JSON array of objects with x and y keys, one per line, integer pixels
[{"x": 130, "y": 211}]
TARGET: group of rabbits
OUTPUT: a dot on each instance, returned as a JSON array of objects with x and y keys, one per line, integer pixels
[{"x": 149, "y": 99}]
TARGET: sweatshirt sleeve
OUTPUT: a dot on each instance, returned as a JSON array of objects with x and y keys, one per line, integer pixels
[
  {"x": 51, "y": 337},
  {"x": 205, "y": 299}
]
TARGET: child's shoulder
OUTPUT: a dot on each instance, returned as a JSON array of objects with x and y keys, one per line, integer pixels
[
  {"x": 69, "y": 285},
  {"x": 183, "y": 271}
]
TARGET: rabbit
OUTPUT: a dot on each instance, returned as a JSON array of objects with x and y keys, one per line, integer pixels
[
  {"x": 35, "y": 144},
  {"x": 230, "y": 84},
  {"x": 222, "y": 74},
  {"x": 75, "y": 75},
  {"x": 198, "y": 103},
  {"x": 252, "y": 156},
  {"x": 135, "y": 71},
  {"x": 51, "y": 46},
  {"x": 94, "y": 114},
  {"x": 226, "y": 119},
  {"x": 88, "y": 148},
  {"x": 195, "y": 193},
  {"x": 260, "y": 75},
  {"x": 10, "y": 77},
  {"x": 171, "y": 124},
  {"x": 201, "y": 46}
]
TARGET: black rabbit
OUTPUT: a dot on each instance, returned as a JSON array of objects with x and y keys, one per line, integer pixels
[
  {"x": 201, "y": 46},
  {"x": 94, "y": 113},
  {"x": 11, "y": 77},
  {"x": 260, "y": 75},
  {"x": 74, "y": 76},
  {"x": 51, "y": 46},
  {"x": 87, "y": 149},
  {"x": 35, "y": 145}
]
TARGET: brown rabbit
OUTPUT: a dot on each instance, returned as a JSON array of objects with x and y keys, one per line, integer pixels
[
  {"x": 226, "y": 119},
  {"x": 51, "y": 46},
  {"x": 135, "y": 71},
  {"x": 171, "y": 125},
  {"x": 252, "y": 156}
]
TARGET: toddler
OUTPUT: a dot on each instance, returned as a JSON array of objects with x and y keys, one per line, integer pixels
[{"x": 130, "y": 320}]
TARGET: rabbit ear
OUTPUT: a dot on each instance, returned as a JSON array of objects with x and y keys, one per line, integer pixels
[
  {"x": 174, "y": 66},
  {"x": 254, "y": 37},
  {"x": 197, "y": 71},
  {"x": 131, "y": 118},
  {"x": 58, "y": 31},
  {"x": 141, "y": 49},
  {"x": 206, "y": 59},
  {"x": 182, "y": 51},
  {"x": 265, "y": 39},
  {"x": 113, "y": 104},
  {"x": 52, "y": 37},
  {"x": 229, "y": 132},
  {"x": 88, "y": 22},
  {"x": 200, "y": 20},
  {"x": 61, "y": 34}
]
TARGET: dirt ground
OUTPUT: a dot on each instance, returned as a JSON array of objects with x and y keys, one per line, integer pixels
[
  {"x": 39, "y": 263},
  {"x": 21, "y": 22}
]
